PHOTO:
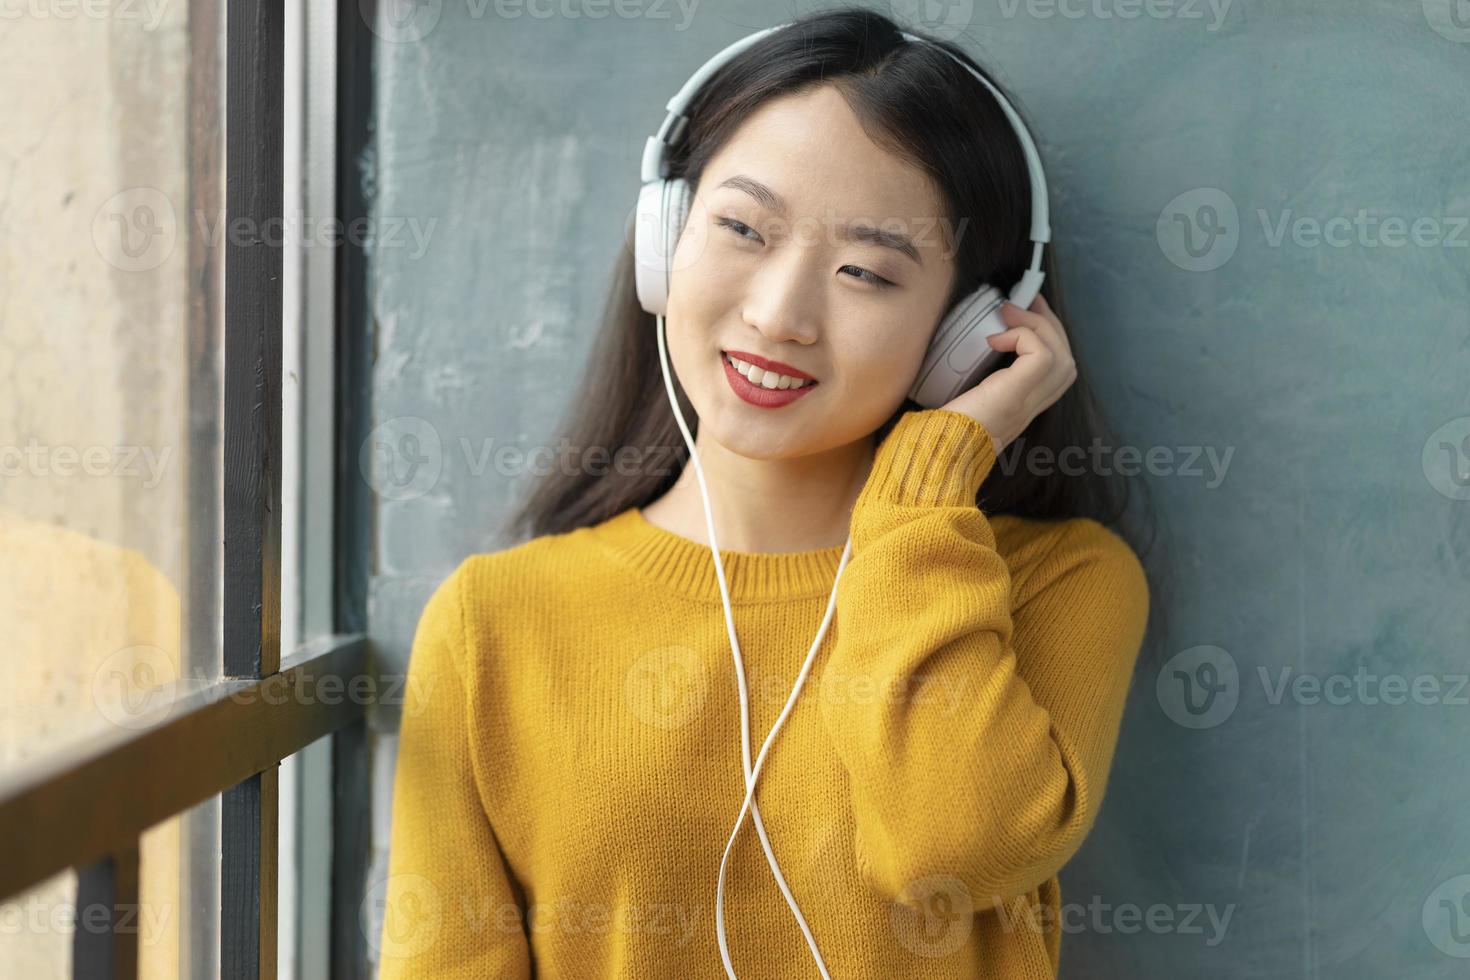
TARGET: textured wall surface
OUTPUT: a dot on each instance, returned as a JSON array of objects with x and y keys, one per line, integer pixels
[{"x": 1260, "y": 212}]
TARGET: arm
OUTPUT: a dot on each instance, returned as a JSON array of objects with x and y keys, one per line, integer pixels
[
  {"x": 449, "y": 907},
  {"x": 977, "y": 737}
]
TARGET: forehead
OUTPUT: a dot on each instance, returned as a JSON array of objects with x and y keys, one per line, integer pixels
[{"x": 812, "y": 151}]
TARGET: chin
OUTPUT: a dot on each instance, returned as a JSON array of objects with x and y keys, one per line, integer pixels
[{"x": 757, "y": 437}]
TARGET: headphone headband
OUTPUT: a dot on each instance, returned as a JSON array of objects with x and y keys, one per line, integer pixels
[{"x": 655, "y": 150}]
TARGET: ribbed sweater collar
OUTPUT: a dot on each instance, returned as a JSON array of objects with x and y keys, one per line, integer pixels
[
  {"x": 688, "y": 567},
  {"x": 931, "y": 458}
]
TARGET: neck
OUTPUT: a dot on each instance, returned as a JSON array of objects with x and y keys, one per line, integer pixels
[{"x": 767, "y": 505}]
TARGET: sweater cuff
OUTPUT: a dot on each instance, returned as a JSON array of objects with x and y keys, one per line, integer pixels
[{"x": 934, "y": 457}]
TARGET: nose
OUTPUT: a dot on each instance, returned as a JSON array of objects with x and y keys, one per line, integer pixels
[{"x": 783, "y": 301}]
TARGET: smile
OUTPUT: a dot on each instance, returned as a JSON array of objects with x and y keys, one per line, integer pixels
[{"x": 764, "y": 389}]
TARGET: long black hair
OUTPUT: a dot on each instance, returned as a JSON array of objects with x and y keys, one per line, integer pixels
[{"x": 920, "y": 105}]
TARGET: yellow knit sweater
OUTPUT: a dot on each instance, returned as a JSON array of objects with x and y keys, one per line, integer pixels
[{"x": 569, "y": 758}]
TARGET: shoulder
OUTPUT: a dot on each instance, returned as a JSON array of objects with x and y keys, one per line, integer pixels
[
  {"x": 516, "y": 585},
  {"x": 1079, "y": 549},
  {"x": 1078, "y": 580},
  {"x": 539, "y": 562}
]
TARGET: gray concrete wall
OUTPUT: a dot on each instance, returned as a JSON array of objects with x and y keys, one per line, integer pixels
[{"x": 1198, "y": 156}]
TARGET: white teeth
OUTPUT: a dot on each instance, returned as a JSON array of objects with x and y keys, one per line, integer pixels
[{"x": 767, "y": 379}]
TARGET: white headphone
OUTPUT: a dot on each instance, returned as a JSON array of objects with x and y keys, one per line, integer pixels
[{"x": 957, "y": 356}]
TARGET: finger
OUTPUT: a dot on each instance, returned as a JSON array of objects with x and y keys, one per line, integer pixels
[
  {"x": 1041, "y": 309},
  {"x": 1049, "y": 329},
  {"x": 1042, "y": 306},
  {"x": 1024, "y": 342},
  {"x": 1016, "y": 316}
]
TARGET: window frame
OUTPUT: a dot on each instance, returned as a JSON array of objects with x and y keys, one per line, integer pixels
[{"x": 86, "y": 806}]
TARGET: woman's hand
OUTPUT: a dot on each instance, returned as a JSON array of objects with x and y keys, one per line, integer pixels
[{"x": 1006, "y": 401}]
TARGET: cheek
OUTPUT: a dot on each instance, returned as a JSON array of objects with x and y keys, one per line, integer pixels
[
  {"x": 690, "y": 346},
  {"x": 695, "y": 293},
  {"x": 694, "y": 264},
  {"x": 885, "y": 356},
  {"x": 705, "y": 287}
]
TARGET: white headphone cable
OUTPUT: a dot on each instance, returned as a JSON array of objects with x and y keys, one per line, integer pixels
[{"x": 751, "y": 773}]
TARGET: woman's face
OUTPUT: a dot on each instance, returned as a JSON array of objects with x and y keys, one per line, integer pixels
[{"x": 764, "y": 267}]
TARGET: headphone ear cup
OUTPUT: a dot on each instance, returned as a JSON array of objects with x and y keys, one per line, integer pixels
[
  {"x": 958, "y": 356},
  {"x": 648, "y": 233},
  {"x": 663, "y": 207},
  {"x": 679, "y": 197}
]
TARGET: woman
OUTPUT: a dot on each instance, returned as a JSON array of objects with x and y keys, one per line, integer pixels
[{"x": 572, "y": 757}]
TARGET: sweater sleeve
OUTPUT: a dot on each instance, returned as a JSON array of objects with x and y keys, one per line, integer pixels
[
  {"x": 977, "y": 734},
  {"x": 449, "y": 909}
]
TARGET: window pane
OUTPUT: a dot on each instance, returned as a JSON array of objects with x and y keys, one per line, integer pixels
[
  {"x": 111, "y": 160},
  {"x": 159, "y": 920},
  {"x": 35, "y": 938},
  {"x": 199, "y": 852},
  {"x": 37, "y": 927},
  {"x": 110, "y": 377}
]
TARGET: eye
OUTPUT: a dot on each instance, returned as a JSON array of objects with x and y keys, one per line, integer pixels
[
  {"x": 739, "y": 227},
  {"x": 873, "y": 277}
]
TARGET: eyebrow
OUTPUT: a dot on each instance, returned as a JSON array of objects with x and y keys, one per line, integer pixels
[{"x": 772, "y": 201}]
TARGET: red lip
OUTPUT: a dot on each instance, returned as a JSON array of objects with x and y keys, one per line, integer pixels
[
  {"x": 759, "y": 395},
  {"x": 770, "y": 365}
]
